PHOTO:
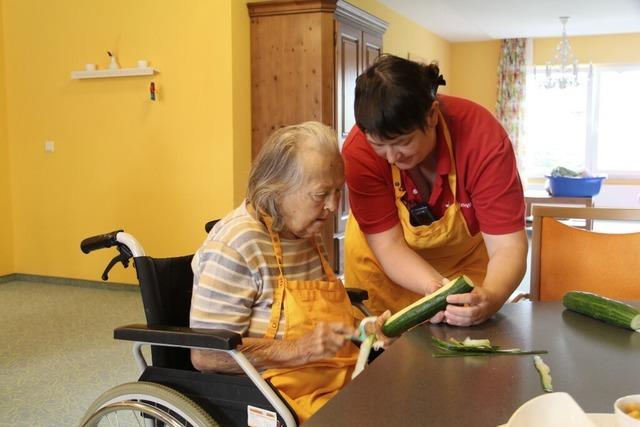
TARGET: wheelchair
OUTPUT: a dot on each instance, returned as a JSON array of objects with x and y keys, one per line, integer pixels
[{"x": 170, "y": 391}]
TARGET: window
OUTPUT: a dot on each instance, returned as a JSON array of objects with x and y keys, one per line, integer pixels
[{"x": 590, "y": 126}]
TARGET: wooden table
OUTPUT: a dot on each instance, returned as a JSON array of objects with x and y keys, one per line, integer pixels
[
  {"x": 405, "y": 386},
  {"x": 543, "y": 198}
]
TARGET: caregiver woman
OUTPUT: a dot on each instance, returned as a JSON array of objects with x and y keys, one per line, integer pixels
[{"x": 434, "y": 193}]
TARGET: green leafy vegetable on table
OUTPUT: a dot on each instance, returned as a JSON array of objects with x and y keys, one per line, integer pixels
[{"x": 469, "y": 347}]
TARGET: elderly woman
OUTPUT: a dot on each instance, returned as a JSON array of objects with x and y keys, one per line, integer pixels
[{"x": 262, "y": 272}]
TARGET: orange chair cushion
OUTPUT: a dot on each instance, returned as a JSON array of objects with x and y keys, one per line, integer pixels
[{"x": 576, "y": 259}]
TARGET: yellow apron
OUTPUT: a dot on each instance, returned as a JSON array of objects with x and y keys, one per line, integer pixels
[
  {"x": 446, "y": 244},
  {"x": 305, "y": 303}
]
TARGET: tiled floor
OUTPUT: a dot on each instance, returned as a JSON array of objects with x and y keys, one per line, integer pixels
[{"x": 57, "y": 351}]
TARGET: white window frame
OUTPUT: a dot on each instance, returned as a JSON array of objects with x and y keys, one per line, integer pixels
[
  {"x": 592, "y": 112},
  {"x": 593, "y": 122}
]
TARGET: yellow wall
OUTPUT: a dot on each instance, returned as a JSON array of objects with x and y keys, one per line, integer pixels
[
  {"x": 474, "y": 71},
  {"x": 474, "y": 65},
  {"x": 241, "y": 65},
  {"x": 6, "y": 231},
  {"x": 161, "y": 169},
  {"x": 405, "y": 37},
  {"x": 609, "y": 49}
]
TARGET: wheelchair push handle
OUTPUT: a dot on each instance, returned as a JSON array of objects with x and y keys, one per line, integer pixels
[
  {"x": 100, "y": 241},
  {"x": 125, "y": 243}
]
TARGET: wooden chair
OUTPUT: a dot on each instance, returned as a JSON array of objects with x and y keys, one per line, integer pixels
[{"x": 566, "y": 258}]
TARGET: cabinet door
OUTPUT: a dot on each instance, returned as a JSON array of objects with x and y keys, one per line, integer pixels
[
  {"x": 292, "y": 69},
  {"x": 348, "y": 66},
  {"x": 371, "y": 48}
]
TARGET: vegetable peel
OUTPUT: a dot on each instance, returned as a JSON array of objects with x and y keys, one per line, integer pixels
[
  {"x": 545, "y": 373},
  {"x": 483, "y": 347}
]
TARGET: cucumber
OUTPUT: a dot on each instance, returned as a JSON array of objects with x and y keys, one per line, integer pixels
[
  {"x": 425, "y": 308},
  {"x": 603, "y": 308}
]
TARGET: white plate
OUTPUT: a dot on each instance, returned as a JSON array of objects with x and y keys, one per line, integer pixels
[
  {"x": 603, "y": 420},
  {"x": 600, "y": 420},
  {"x": 556, "y": 410}
]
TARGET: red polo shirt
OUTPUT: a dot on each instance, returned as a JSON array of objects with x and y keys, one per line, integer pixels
[{"x": 488, "y": 187}]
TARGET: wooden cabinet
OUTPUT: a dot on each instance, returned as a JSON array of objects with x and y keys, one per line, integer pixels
[{"x": 305, "y": 57}]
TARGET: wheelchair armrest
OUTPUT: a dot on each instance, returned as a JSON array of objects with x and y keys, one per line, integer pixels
[
  {"x": 357, "y": 295},
  {"x": 215, "y": 339}
]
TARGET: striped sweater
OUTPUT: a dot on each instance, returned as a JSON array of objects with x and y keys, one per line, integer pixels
[{"x": 235, "y": 273}]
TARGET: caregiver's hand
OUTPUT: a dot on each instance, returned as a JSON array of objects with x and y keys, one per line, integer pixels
[
  {"x": 472, "y": 308},
  {"x": 432, "y": 285},
  {"x": 439, "y": 316}
]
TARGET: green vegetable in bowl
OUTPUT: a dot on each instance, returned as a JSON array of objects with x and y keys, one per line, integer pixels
[{"x": 562, "y": 171}]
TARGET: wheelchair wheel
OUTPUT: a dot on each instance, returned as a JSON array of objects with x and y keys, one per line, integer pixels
[{"x": 145, "y": 404}]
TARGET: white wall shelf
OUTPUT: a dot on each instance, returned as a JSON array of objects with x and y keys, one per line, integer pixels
[{"x": 118, "y": 72}]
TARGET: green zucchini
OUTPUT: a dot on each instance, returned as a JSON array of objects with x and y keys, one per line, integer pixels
[
  {"x": 425, "y": 308},
  {"x": 602, "y": 308}
]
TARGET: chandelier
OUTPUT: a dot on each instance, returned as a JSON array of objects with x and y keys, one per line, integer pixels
[{"x": 562, "y": 71}]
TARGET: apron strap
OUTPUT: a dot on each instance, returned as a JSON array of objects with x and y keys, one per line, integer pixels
[
  {"x": 398, "y": 189},
  {"x": 275, "y": 241},
  {"x": 328, "y": 271},
  {"x": 452, "y": 173},
  {"x": 278, "y": 293}
]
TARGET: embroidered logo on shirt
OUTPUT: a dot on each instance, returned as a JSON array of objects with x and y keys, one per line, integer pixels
[{"x": 465, "y": 205}]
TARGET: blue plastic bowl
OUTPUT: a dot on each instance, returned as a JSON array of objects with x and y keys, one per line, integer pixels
[{"x": 566, "y": 186}]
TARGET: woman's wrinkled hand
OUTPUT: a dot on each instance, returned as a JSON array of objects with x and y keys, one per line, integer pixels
[
  {"x": 376, "y": 328},
  {"x": 324, "y": 342}
]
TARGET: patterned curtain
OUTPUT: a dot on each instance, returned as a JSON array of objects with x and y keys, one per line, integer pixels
[{"x": 511, "y": 89}]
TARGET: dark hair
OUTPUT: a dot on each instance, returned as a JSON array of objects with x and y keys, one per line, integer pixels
[{"x": 394, "y": 95}]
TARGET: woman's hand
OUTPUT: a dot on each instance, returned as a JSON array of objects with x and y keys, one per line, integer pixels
[
  {"x": 376, "y": 328},
  {"x": 507, "y": 265},
  {"x": 468, "y": 309},
  {"x": 439, "y": 316},
  {"x": 324, "y": 342},
  {"x": 434, "y": 284},
  {"x": 471, "y": 308}
]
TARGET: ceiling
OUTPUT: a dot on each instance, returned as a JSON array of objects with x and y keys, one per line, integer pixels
[{"x": 474, "y": 20}]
